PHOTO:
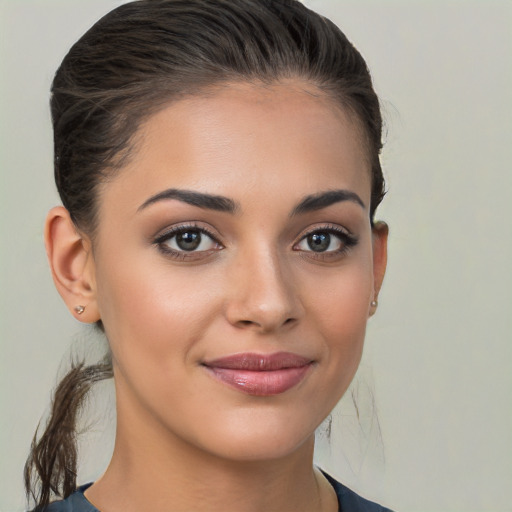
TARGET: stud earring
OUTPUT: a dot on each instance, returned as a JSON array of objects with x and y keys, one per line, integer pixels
[
  {"x": 374, "y": 303},
  {"x": 79, "y": 309}
]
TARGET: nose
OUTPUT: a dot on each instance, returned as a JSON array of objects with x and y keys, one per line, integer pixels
[{"x": 263, "y": 295}]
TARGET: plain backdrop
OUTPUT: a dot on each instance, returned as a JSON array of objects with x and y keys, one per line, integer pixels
[{"x": 434, "y": 390}]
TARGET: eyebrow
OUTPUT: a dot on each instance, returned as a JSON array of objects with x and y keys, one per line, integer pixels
[
  {"x": 225, "y": 204},
  {"x": 199, "y": 199},
  {"x": 325, "y": 199}
]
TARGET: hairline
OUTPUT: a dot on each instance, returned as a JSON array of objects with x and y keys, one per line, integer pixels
[{"x": 135, "y": 142}]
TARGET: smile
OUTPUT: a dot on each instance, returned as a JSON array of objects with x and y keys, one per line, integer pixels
[{"x": 260, "y": 375}]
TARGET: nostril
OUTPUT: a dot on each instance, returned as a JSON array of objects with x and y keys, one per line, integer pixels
[
  {"x": 245, "y": 322},
  {"x": 249, "y": 323}
]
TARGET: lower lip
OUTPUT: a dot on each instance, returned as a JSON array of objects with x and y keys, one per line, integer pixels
[{"x": 261, "y": 383}]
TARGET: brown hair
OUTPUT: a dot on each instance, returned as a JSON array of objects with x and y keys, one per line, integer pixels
[{"x": 132, "y": 62}]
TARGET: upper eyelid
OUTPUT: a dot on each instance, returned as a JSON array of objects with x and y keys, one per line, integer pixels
[
  {"x": 161, "y": 241},
  {"x": 173, "y": 230},
  {"x": 333, "y": 228},
  {"x": 176, "y": 229},
  {"x": 346, "y": 237}
]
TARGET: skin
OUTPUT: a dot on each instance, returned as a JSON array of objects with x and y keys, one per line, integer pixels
[{"x": 186, "y": 441}]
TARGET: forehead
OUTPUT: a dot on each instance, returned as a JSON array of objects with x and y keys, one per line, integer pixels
[{"x": 240, "y": 139}]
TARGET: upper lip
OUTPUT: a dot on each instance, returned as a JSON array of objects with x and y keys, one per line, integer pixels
[{"x": 259, "y": 362}]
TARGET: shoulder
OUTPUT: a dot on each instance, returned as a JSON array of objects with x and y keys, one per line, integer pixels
[
  {"x": 75, "y": 502},
  {"x": 349, "y": 501}
]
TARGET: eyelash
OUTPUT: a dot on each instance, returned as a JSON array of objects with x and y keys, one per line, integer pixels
[
  {"x": 181, "y": 229},
  {"x": 347, "y": 241}
]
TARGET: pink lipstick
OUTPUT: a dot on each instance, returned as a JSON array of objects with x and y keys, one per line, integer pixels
[{"x": 260, "y": 374}]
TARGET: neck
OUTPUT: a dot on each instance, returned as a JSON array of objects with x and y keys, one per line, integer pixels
[{"x": 152, "y": 469}]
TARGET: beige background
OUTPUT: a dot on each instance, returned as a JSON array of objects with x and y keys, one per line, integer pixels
[{"x": 438, "y": 356}]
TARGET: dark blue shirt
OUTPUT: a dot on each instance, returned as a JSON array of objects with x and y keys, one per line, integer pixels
[{"x": 348, "y": 501}]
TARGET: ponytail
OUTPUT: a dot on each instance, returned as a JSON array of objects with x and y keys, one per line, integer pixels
[{"x": 51, "y": 467}]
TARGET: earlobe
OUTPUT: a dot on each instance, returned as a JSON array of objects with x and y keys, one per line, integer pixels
[
  {"x": 72, "y": 265},
  {"x": 380, "y": 245}
]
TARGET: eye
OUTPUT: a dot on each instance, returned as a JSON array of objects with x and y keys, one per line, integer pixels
[
  {"x": 183, "y": 241},
  {"x": 320, "y": 241},
  {"x": 329, "y": 241}
]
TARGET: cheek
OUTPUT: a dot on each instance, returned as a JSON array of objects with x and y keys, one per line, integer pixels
[
  {"x": 340, "y": 299},
  {"x": 149, "y": 311},
  {"x": 153, "y": 321},
  {"x": 340, "y": 314}
]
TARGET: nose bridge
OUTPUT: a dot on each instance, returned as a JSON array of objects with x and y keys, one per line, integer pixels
[{"x": 263, "y": 292}]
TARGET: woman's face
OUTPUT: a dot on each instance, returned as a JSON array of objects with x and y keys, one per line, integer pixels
[{"x": 234, "y": 268}]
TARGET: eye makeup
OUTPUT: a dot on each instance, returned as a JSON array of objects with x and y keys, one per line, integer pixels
[
  {"x": 187, "y": 242},
  {"x": 326, "y": 243},
  {"x": 192, "y": 241}
]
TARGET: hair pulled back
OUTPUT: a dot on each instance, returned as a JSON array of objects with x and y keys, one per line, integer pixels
[{"x": 133, "y": 62}]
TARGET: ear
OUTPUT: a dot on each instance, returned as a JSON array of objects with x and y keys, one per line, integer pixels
[
  {"x": 72, "y": 265},
  {"x": 380, "y": 256}
]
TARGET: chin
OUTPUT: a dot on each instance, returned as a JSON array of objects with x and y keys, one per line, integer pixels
[
  {"x": 262, "y": 448},
  {"x": 259, "y": 437}
]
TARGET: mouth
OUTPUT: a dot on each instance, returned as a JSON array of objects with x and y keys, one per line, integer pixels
[{"x": 260, "y": 374}]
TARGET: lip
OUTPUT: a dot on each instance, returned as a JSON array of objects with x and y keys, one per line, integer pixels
[{"x": 260, "y": 374}]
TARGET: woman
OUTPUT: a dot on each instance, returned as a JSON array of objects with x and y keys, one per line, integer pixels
[{"x": 218, "y": 164}]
